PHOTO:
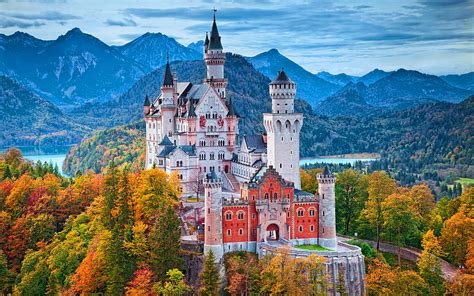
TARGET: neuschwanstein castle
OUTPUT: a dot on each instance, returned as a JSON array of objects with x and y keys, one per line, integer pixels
[{"x": 251, "y": 185}]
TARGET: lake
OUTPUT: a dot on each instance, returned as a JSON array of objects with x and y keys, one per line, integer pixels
[
  {"x": 57, "y": 154},
  {"x": 53, "y": 154}
]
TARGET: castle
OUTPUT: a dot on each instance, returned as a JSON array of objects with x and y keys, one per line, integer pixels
[{"x": 250, "y": 184}]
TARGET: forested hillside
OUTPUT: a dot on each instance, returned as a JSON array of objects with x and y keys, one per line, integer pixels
[{"x": 27, "y": 119}]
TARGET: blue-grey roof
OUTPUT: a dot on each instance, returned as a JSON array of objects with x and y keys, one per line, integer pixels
[
  {"x": 188, "y": 149},
  {"x": 301, "y": 193},
  {"x": 255, "y": 143},
  {"x": 166, "y": 141},
  {"x": 196, "y": 92}
]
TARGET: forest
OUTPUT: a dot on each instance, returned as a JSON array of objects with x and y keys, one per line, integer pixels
[{"x": 118, "y": 233}]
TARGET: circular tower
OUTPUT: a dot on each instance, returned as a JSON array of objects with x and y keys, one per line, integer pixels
[
  {"x": 213, "y": 215},
  {"x": 327, "y": 209},
  {"x": 283, "y": 127}
]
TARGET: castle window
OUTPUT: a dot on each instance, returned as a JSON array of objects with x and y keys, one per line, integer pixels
[
  {"x": 160, "y": 161},
  {"x": 311, "y": 212},
  {"x": 241, "y": 231},
  {"x": 228, "y": 216},
  {"x": 288, "y": 214},
  {"x": 323, "y": 213},
  {"x": 208, "y": 228},
  {"x": 240, "y": 215},
  {"x": 221, "y": 155},
  {"x": 208, "y": 211},
  {"x": 254, "y": 216},
  {"x": 202, "y": 156},
  {"x": 280, "y": 165},
  {"x": 300, "y": 212},
  {"x": 266, "y": 195},
  {"x": 229, "y": 232},
  {"x": 300, "y": 228},
  {"x": 275, "y": 195},
  {"x": 311, "y": 228},
  {"x": 211, "y": 156}
]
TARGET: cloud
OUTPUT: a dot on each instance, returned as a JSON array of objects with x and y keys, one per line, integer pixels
[
  {"x": 130, "y": 36},
  {"x": 121, "y": 23},
  {"x": 46, "y": 16},
  {"x": 12, "y": 23}
]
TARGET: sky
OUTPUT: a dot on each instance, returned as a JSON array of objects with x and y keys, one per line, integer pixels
[{"x": 354, "y": 37}]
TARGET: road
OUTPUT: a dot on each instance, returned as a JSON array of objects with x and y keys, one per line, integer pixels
[{"x": 411, "y": 254}]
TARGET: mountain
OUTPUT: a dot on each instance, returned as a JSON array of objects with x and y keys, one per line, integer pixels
[
  {"x": 349, "y": 101},
  {"x": 338, "y": 79},
  {"x": 310, "y": 87},
  {"x": 72, "y": 69},
  {"x": 30, "y": 120},
  {"x": 197, "y": 46},
  {"x": 404, "y": 89},
  {"x": 373, "y": 76},
  {"x": 464, "y": 81},
  {"x": 152, "y": 49}
]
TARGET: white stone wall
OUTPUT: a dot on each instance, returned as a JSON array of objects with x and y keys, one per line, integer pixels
[{"x": 327, "y": 211}]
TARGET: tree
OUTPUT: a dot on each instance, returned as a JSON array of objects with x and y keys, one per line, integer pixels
[
  {"x": 110, "y": 195},
  {"x": 164, "y": 240},
  {"x": 174, "y": 285},
  {"x": 351, "y": 194},
  {"x": 142, "y": 283},
  {"x": 429, "y": 264},
  {"x": 210, "y": 277},
  {"x": 399, "y": 217},
  {"x": 242, "y": 273},
  {"x": 309, "y": 180},
  {"x": 423, "y": 203},
  {"x": 380, "y": 186}
]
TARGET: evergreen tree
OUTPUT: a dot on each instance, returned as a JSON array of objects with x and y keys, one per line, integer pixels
[
  {"x": 210, "y": 277},
  {"x": 165, "y": 242},
  {"x": 110, "y": 195}
]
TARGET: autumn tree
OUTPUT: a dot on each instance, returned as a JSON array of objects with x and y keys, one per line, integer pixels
[
  {"x": 174, "y": 285},
  {"x": 309, "y": 180},
  {"x": 423, "y": 203},
  {"x": 210, "y": 277},
  {"x": 351, "y": 194},
  {"x": 399, "y": 218},
  {"x": 142, "y": 283},
  {"x": 429, "y": 264},
  {"x": 242, "y": 273},
  {"x": 380, "y": 186}
]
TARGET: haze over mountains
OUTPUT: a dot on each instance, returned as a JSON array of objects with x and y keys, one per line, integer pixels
[{"x": 98, "y": 86}]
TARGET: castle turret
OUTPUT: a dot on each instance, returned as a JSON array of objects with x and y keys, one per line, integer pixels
[
  {"x": 168, "y": 105},
  {"x": 283, "y": 129},
  {"x": 213, "y": 215},
  {"x": 146, "y": 106},
  {"x": 327, "y": 209},
  {"x": 214, "y": 57}
]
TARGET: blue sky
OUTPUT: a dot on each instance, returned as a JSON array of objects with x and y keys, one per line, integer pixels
[{"x": 433, "y": 36}]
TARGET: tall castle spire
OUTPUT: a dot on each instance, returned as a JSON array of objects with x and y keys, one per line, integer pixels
[
  {"x": 214, "y": 58},
  {"x": 168, "y": 79}
]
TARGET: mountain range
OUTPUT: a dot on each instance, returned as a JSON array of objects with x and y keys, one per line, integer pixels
[{"x": 103, "y": 86}]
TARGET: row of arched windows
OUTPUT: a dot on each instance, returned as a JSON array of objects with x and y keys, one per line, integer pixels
[
  {"x": 311, "y": 212},
  {"x": 220, "y": 156},
  {"x": 240, "y": 215}
]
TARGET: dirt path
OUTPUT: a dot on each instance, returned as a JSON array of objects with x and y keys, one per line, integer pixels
[{"x": 411, "y": 254}]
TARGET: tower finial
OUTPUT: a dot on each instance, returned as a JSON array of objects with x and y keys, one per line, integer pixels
[{"x": 215, "y": 10}]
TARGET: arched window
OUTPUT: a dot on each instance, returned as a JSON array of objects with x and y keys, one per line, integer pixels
[
  {"x": 300, "y": 228},
  {"x": 266, "y": 195},
  {"x": 240, "y": 215},
  {"x": 221, "y": 155},
  {"x": 275, "y": 195},
  {"x": 228, "y": 216},
  {"x": 229, "y": 232},
  {"x": 202, "y": 156},
  {"x": 311, "y": 212},
  {"x": 241, "y": 231},
  {"x": 211, "y": 156},
  {"x": 300, "y": 212},
  {"x": 311, "y": 228}
]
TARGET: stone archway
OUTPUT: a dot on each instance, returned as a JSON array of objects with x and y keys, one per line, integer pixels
[{"x": 273, "y": 232}]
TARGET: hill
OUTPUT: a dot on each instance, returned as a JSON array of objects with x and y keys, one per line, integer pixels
[
  {"x": 349, "y": 101},
  {"x": 464, "y": 81},
  {"x": 339, "y": 79},
  {"x": 30, "y": 120},
  {"x": 152, "y": 49},
  {"x": 310, "y": 87},
  {"x": 373, "y": 76},
  {"x": 73, "y": 69}
]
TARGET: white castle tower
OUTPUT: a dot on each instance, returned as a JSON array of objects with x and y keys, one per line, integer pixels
[
  {"x": 213, "y": 215},
  {"x": 283, "y": 129},
  {"x": 327, "y": 209},
  {"x": 214, "y": 57}
]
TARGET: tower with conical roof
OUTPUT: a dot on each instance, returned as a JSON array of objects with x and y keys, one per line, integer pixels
[
  {"x": 283, "y": 127},
  {"x": 214, "y": 57},
  {"x": 168, "y": 105}
]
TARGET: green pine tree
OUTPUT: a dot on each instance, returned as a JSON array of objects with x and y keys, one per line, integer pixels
[
  {"x": 210, "y": 277},
  {"x": 165, "y": 242},
  {"x": 110, "y": 195}
]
